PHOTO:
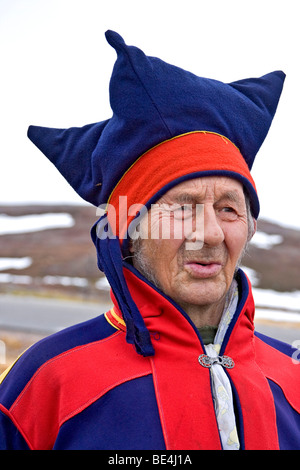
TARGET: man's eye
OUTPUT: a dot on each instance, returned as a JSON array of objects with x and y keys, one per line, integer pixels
[{"x": 228, "y": 213}]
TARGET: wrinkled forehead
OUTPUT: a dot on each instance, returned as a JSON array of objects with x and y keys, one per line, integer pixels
[{"x": 206, "y": 188}]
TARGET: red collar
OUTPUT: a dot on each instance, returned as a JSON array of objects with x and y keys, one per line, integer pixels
[{"x": 152, "y": 303}]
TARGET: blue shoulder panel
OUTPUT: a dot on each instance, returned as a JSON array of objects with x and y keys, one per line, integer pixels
[
  {"x": 125, "y": 418},
  {"x": 285, "y": 348},
  {"x": 287, "y": 419},
  {"x": 11, "y": 439},
  {"x": 83, "y": 333}
]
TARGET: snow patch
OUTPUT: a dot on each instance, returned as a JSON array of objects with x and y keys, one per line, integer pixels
[
  {"x": 34, "y": 223},
  {"x": 265, "y": 241},
  {"x": 15, "y": 263},
  {"x": 15, "y": 279},
  {"x": 102, "y": 284},
  {"x": 277, "y": 315},
  {"x": 279, "y": 300},
  {"x": 65, "y": 281}
]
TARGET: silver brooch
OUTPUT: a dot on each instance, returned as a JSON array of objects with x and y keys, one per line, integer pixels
[{"x": 207, "y": 361}]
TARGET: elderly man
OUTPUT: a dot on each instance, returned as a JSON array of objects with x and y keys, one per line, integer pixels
[{"x": 175, "y": 363}]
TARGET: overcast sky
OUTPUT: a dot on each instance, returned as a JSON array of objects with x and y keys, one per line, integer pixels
[{"x": 56, "y": 66}]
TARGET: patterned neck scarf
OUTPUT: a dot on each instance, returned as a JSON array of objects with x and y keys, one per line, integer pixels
[{"x": 221, "y": 387}]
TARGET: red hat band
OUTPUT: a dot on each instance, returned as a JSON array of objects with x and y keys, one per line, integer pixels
[{"x": 187, "y": 156}]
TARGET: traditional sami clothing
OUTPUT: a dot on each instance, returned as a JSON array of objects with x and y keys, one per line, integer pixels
[
  {"x": 168, "y": 126},
  {"x": 141, "y": 376}
]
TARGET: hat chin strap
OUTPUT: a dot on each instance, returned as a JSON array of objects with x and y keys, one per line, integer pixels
[{"x": 110, "y": 261}]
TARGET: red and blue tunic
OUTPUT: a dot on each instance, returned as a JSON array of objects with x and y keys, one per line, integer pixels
[{"x": 86, "y": 388}]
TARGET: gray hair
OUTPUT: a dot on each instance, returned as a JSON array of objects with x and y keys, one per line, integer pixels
[{"x": 250, "y": 218}]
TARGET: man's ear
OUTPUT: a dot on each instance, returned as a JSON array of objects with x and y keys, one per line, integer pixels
[
  {"x": 254, "y": 226},
  {"x": 253, "y": 229}
]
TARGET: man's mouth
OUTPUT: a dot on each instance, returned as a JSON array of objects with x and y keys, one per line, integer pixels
[{"x": 203, "y": 270}]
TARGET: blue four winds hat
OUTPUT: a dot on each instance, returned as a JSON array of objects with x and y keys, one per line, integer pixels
[{"x": 168, "y": 125}]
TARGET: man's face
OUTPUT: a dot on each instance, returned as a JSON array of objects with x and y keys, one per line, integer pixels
[{"x": 200, "y": 276}]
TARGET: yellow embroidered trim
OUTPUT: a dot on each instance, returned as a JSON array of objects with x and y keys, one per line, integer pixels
[
  {"x": 4, "y": 374},
  {"x": 161, "y": 143},
  {"x": 112, "y": 324},
  {"x": 116, "y": 317},
  {"x": 119, "y": 319}
]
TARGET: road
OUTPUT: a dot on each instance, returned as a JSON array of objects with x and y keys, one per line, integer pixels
[
  {"x": 46, "y": 316},
  {"x": 40, "y": 315}
]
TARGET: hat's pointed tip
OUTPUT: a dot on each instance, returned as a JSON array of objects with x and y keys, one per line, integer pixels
[
  {"x": 34, "y": 133},
  {"x": 277, "y": 74},
  {"x": 280, "y": 74},
  {"x": 31, "y": 132},
  {"x": 114, "y": 39},
  {"x": 45, "y": 139}
]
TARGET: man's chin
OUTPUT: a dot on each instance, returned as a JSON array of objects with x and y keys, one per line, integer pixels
[{"x": 202, "y": 291}]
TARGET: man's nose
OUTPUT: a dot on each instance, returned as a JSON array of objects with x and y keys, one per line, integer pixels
[{"x": 213, "y": 233}]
